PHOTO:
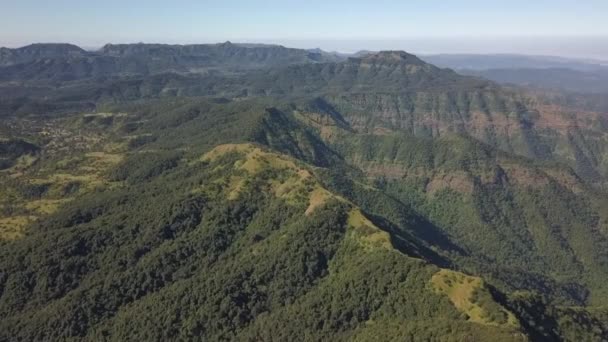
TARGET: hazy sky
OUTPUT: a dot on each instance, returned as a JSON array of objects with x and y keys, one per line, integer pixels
[{"x": 562, "y": 27}]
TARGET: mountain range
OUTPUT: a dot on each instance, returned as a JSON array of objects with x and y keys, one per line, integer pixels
[
  {"x": 252, "y": 192},
  {"x": 65, "y": 62},
  {"x": 544, "y": 72}
]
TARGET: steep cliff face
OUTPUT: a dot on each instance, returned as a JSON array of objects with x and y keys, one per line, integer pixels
[
  {"x": 395, "y": 91},
  {"x": 510, "y": 122}
]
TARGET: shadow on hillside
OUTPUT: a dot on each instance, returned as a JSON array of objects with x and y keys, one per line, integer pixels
[
  {"x": 426, "y": 239},
  {"x": 434, "y": 236}
]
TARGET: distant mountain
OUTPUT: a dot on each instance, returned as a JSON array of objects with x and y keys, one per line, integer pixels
[
  {"x": 510, "y": 61},
  {"x": 549, "y": 78},
  {"x": 585, "y": 77},
  {"x": 363, "y": 53},
  {"x": 210, "y": 55},
  {"x": 544, "y": 72},
  {"x": 389, "y": 71},
  {"x": 330, "y": 55},
  {"x": 35, "y": 52},
  {"x": 386, "y": 71},
  {"x": 63, "y": 62}
]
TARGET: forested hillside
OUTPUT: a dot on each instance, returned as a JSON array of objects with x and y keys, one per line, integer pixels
[{"x": 378, "y": 197}]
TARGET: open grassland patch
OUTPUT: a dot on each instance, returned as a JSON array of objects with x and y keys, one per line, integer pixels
[
  {"x": 367, "y": 232},
  {"x": 318, "y": 197},
  {"x": 296, "y": 185},
  {"x": 60, "y": 182},
  {"x": 74, "y": 159},
  {"x": 12, "y": 228},
  {"x": 470, "y": 296},
  {"x": 293, "y": 182},
  {"x": 104, "y": 115},
  {"x": 46, "y": 206},
  {"x": 104, "y": 159}
]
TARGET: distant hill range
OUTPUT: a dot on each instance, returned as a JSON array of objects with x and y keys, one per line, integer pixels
[
  {"x": 544, "y": 72},
  {"x": 66, "y": 62},
  {"x": 511, "y": 61},
  {"x": 556, "y": 73}
]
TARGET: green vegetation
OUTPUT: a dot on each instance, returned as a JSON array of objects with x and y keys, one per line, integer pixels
[
  {"x": 373, "y": 198},
  {"x": 469, "y": 295},
  {"x": 271, "y": 258},
  {"x": 43, "y": 177}
]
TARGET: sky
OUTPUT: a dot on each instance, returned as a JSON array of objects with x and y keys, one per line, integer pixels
[{"x": 551, "y": 27}]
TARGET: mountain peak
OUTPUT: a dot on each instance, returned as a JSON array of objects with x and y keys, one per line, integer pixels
[
  {"x": 39, "y": 51},
  {"x": 52, "y": 46},
  {"x": 391, "y": 57}
]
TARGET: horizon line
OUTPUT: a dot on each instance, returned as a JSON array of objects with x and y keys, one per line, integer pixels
[{"x": 96, "y": 47}]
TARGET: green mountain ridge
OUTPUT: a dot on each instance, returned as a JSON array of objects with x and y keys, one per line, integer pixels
[{"x": 335, "y": 244}]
